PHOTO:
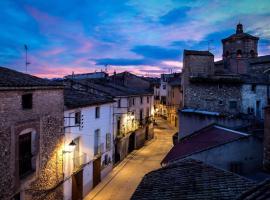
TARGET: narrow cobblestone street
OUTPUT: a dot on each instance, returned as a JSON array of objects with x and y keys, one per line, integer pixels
[{"x": 123, "y": 180}]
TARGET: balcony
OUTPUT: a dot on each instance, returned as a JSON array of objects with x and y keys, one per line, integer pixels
[
  {"x": 79, "y": 161},
  {"x": 99, "y": 149}
]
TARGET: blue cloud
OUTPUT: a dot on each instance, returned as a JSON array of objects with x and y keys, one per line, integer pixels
[
  {"x": 177, "y": 15},
  {"x": 123, "y": 61},
  {"x": 156, "y": 52}
]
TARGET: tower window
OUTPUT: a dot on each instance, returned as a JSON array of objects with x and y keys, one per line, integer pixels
[
  {"x": 227, "y": 54},
  {"x": 252, "y": 53},
  {"x": 239, "y": 53}
]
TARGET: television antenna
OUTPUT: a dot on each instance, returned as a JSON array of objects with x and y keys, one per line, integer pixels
[{"x": 26, "y": 58}]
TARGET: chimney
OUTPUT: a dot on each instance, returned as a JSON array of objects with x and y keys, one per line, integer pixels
[{"x": 266, "y": 140}]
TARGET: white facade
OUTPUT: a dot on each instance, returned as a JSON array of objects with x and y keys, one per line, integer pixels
[
  {"x": 254, "y": 99},
  {"x": 129, "y": 110},
  {"x": 93, "y": 137}
]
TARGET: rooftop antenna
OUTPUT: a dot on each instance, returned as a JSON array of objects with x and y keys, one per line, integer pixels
[{"x": 26, "y": 59}]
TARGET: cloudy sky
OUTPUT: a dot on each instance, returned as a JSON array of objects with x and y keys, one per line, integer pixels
[{"x": 146, "y": 37}]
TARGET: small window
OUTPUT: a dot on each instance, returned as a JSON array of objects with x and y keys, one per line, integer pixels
[
  {"x": 141, "y": 100},
  {"x": 239, "y": 53},
  {"x": 97, "y": 112},
  {"x": 77, "y": 118},
  {"x": 164, "y": 87},
  {"x": 27, "y": 101},
  {"x": 133, "y": 101},
  {"x": 220, "y": 102},
  {"x": 233, "y": 104},
  {"x": 253, "y": 88},
  {"x": 147, "y": 99},
  {"x": 119, "y": 103},
  {"x": 252, "y": 53}
]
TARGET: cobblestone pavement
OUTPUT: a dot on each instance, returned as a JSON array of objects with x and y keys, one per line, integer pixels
[{"x": 125, "y": 177}]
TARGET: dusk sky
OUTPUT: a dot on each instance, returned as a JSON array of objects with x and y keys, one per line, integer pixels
[{"x": 146, "y": 37}]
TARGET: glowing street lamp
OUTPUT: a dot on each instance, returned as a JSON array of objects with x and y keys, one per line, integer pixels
[{"x": 71, "y": 147}]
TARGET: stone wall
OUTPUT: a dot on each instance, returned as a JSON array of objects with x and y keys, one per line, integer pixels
[
  {"x": 266, "y": 146},
  {"x": 46, "y": 118},
  {"x": 213, "y": 97}
]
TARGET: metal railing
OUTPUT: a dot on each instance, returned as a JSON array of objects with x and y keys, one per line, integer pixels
[
  {"x": 99, "y": 149},
  {"x": 79, "y": 161}
]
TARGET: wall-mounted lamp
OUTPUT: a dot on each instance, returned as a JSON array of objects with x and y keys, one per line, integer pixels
[{"x": 71, "y": 147}]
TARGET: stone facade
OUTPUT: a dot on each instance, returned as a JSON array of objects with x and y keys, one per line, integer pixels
[
  {"x": 44, "y": 121},
  {"x": 266, "y": 146}
]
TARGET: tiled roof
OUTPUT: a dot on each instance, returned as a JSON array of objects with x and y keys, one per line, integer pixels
[
  {"x": 191, "y": 179},
  {"x": 112, "y": 89},
  {"x": 206, "y": 138},
  {"x": 260, "y": 59},
  {"x": 261, "y": 191},
  {"x": 75, "y": 99},
  {"x": 240, "y": 36},
  {"x": 201, "y": 53},
  {"x": 11, "y": 78}
]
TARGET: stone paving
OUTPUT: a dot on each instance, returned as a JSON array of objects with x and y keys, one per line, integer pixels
[{"x": 125, "y": 177}]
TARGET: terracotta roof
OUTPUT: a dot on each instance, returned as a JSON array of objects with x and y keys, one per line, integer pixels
[
  {"x": 201, "y": 53},
  {"x": 239, "y": 36},
  {"x": 112, "y": 89},
  {"x": 206, "y": 138},
  {"x": 191, "y": 179},
  {"x": 10, "y": 78},
  {"x": 261, "y": 191},
  {"x": 74, "y": 99}
]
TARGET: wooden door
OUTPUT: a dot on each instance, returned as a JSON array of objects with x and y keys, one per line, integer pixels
[
  {"x": 96, "y": 171},
  {"x": 77, "y": 186},
  {"x": 131, "y": 144}
]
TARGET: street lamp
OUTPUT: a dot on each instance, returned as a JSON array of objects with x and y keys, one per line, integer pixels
[{"x": 71, "y": 147}]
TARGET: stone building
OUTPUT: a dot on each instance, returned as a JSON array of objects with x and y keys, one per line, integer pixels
[
  {"x": 31, "y": 137},
  {"x": 239, "y": 83}
]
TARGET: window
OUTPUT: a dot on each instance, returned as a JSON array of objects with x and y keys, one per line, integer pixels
[
  {"x": 220, "y": 102},
  {"x": 141, "y": 100},
  {"x": 97, "y": 112},
  {"x": 141, "y": 116},
  {"x": 233, "y": 104},
  {"x": 77, "y": 118},
  {"x": 147, "y": 99},
  {"x": 236, "y": 167},
  {"x": 108, "y": 141},
  {"x": 96, "y": 142},
  {"x": 227, "y": 54},
  {"x": 239, "y": 53},
  {"x": 25, "y": 154},
  {"x": 147, "y": 112},
  {"x": 133, "y": 101},
  {"x": 27, "y": 101},
  {"x": 164, "y": 87},
  {"x": 253, "y": 88},
  {"x": 252, "y": 53},
  {"x": 119, "y": 103},
  {"x": 118, "y": 126}
]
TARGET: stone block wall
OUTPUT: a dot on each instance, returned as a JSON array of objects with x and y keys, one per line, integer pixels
[
  {"x": 213, "y": 97},
  {"x": 266, "y": 145},
  {"x": 46, "y": 118}
]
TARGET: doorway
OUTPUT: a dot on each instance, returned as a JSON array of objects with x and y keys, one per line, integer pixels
[
  {"x": 131, "y": 144},
  {"x": 77, "y": 186},
  {"x": 96, "y": 171}
]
